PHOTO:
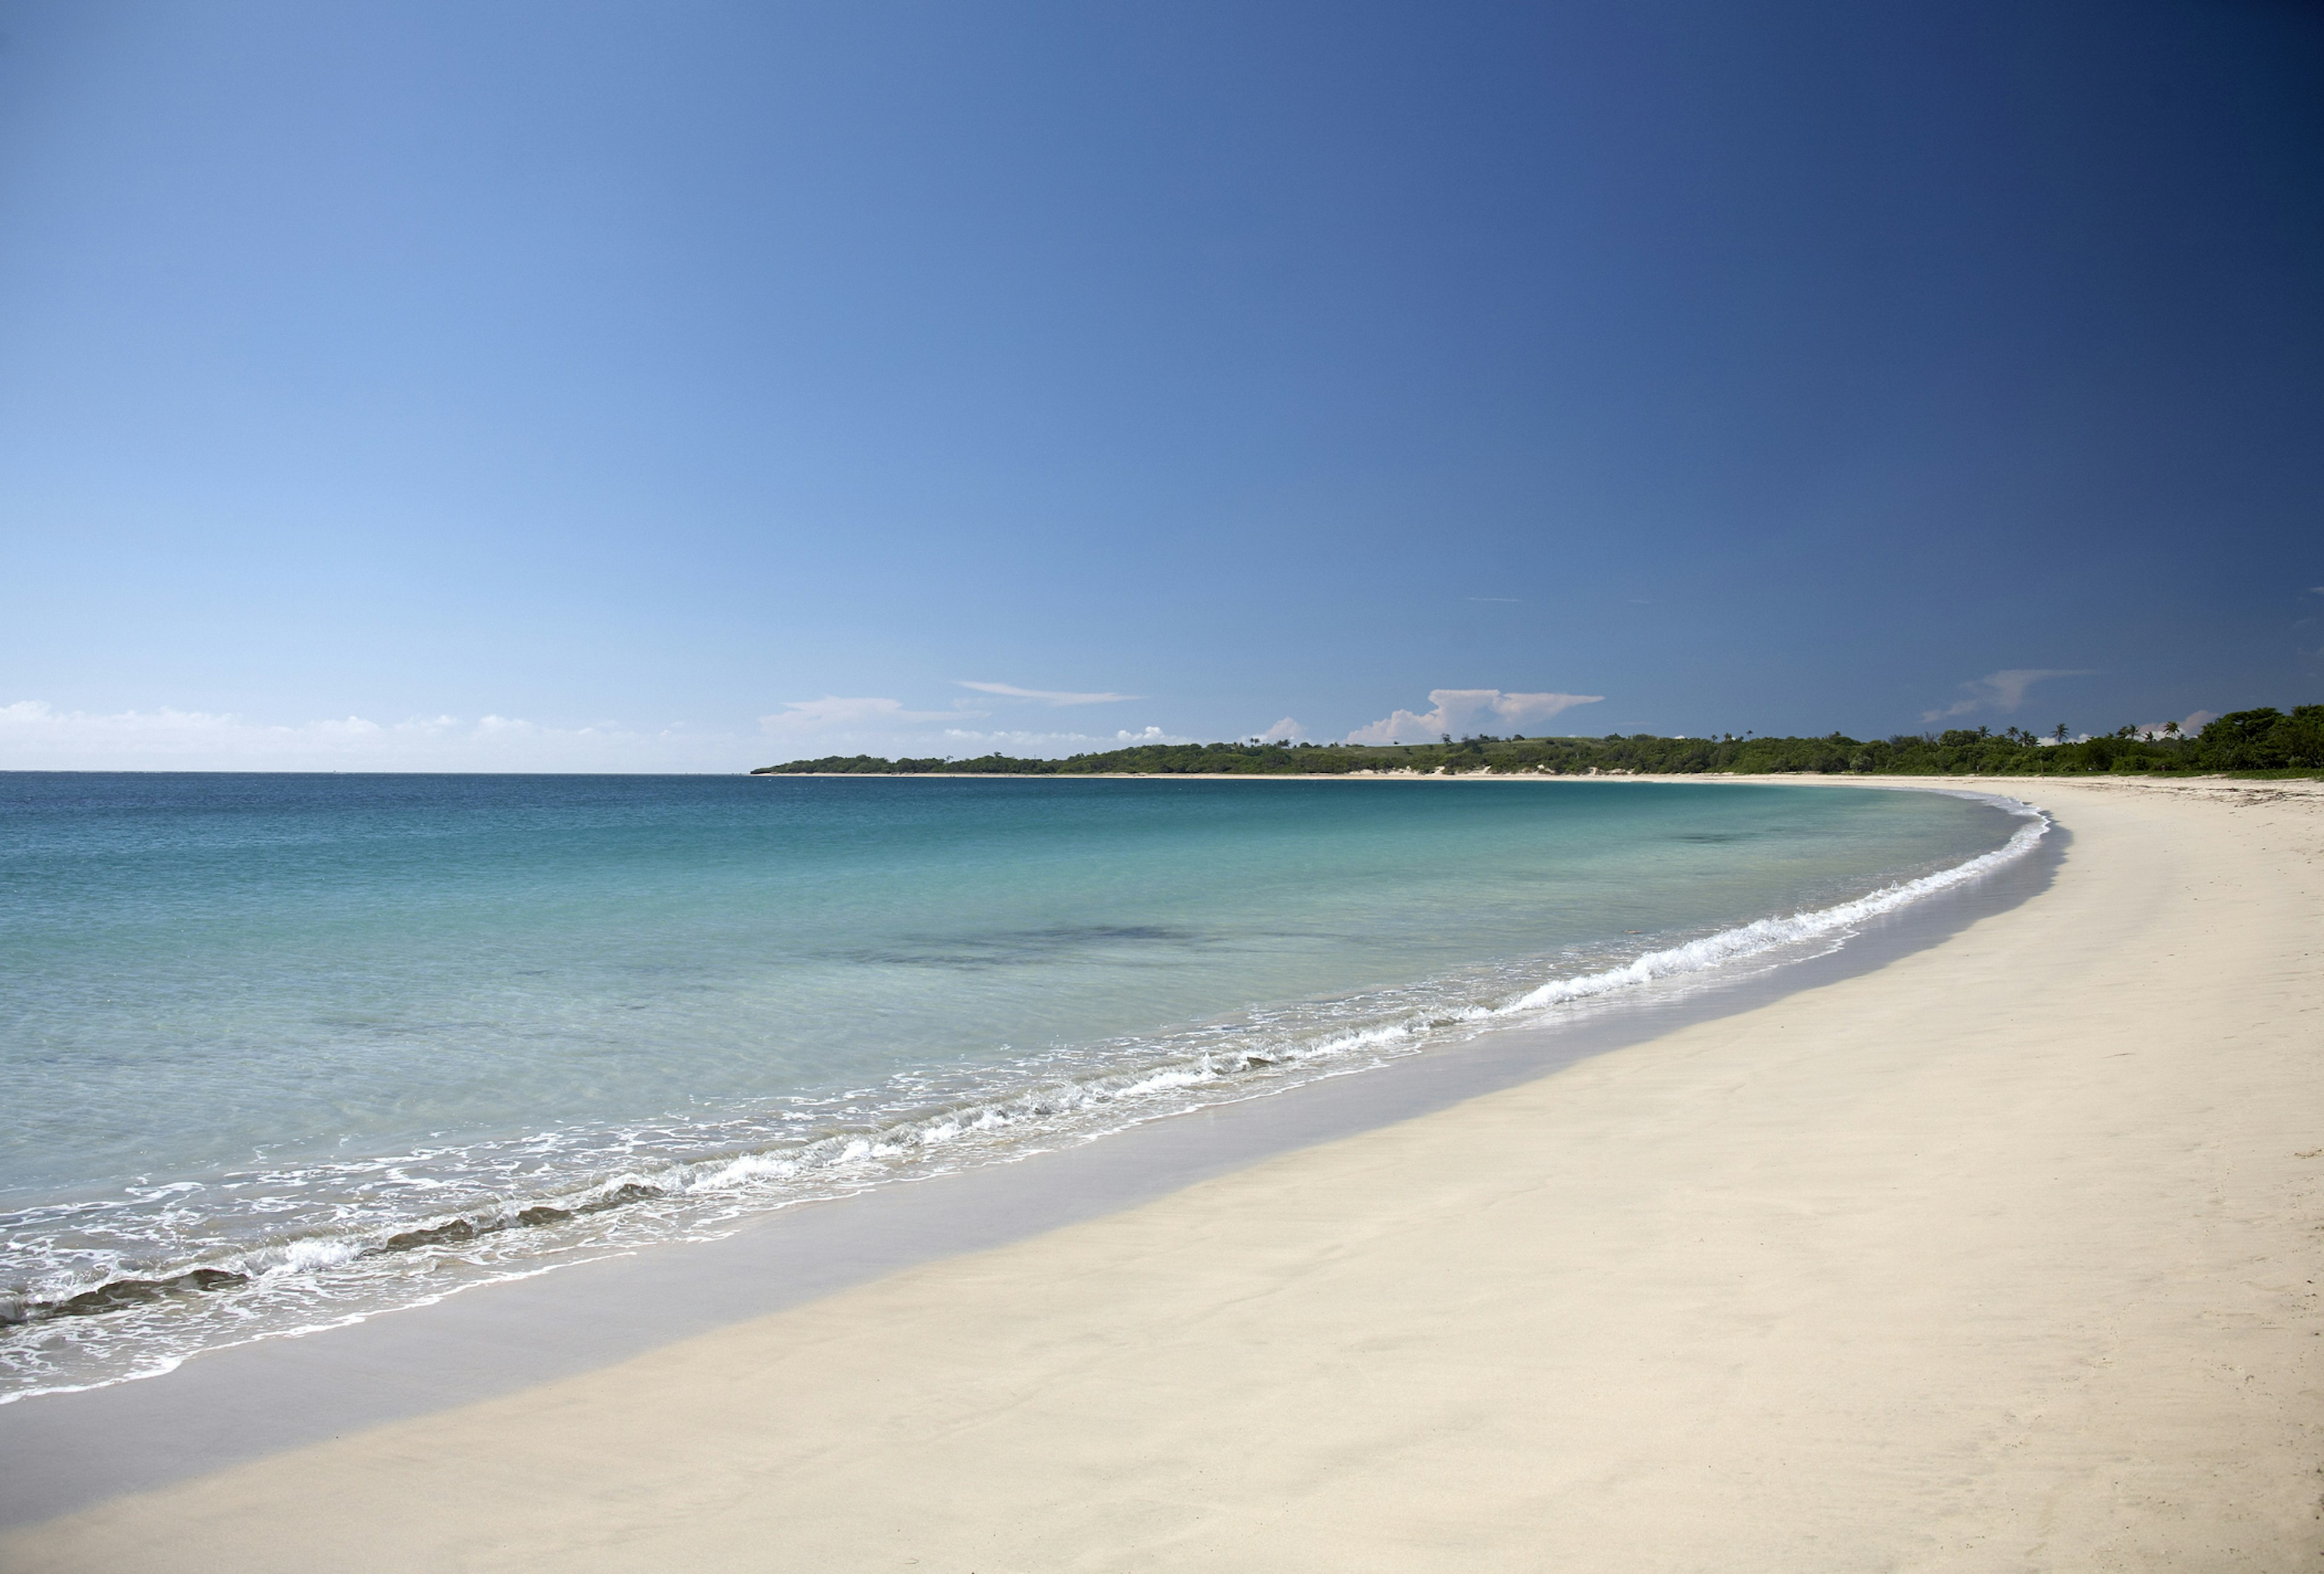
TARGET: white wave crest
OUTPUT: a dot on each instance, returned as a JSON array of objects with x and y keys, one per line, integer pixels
[{"x": 1765, "y": 934}]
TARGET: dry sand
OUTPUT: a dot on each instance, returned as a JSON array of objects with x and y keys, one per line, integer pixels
[{"x": 2002, "y": 1256}]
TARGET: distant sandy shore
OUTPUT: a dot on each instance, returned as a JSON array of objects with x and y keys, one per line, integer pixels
[
  {"x": 2001, "y": 1256},
  {"x": 1990, "y": 784}
]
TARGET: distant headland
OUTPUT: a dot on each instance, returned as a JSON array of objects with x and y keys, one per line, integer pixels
[{"x": 2264, "y": 740}]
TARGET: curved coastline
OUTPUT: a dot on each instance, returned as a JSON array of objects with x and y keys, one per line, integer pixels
[
  {"x": 692, "y": 1199},
  {"x": 207, "y": 1411},
  {"x": 1998, "y": 1253}
]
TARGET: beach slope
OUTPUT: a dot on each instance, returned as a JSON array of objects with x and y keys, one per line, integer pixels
[{"x": 2003, "y": 1256}]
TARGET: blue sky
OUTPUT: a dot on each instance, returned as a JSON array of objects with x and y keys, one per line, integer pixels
[{"x": 587, "y": 386}]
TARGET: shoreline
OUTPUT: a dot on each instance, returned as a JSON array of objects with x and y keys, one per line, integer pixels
[
  {"x": 681, "y": 1195},
  {"x": 1348, "y": 1190},
  {"x": 1926, "y": 783},
  {"x": 208, "y": 1425}
]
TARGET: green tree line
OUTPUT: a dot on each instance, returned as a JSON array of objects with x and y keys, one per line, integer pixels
[{"x": 2265, "y": 740}]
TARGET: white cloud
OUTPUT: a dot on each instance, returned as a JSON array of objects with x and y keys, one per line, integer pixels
[
  {"x": 807, "y": 728},
  {"x": 2001, "y": 691},
  {"x": 1286, "y": 731},
  {"x": 831, "y": 711},
  {"x": 2188, "y": 726},
  {"x": 1047, "y": 696},
  {"x": 35, "y": 736},
  {"x": 1460, "y": 711},
  {"x": 961, "y": 741}
]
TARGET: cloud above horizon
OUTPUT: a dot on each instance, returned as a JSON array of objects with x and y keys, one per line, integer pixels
[
  {"x": 837, "y": 724},
  {"x": 36, "y": 736},
  {"x": 2188, "y": 725},
  {"x": 1460, "y": 711},
  {"x": 833, "y": 711},
  {"x": 2001, "y": 691},
  {"x": 1047, "y": 696},
  {"x": 961, "y": 741}
]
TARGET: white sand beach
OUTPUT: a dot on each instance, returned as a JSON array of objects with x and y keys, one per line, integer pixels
[{"x": 2002, "y": 1256}]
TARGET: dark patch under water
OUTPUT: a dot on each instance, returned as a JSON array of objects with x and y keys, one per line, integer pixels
[
  {"x": 123, "y": 1293},
  {"x": 1019, "y": 947}
]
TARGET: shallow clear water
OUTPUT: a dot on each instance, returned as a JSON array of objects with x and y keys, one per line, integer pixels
[{"x": 282, "y": 1050}]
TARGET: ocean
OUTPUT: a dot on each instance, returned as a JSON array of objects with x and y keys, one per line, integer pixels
[{"x": 280, "y": 1051}]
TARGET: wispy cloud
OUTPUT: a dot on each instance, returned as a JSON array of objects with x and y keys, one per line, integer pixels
[
  {"x": 1286, "y": 731},
  {"x": 2001, "y": 691},
  {"x": 833, "y": 712},
  {"x": 807, "y": 728},
  {"x": 1047, "y": 696},
  {"x": 963, "y": 742},
  {"x": 36, "y": 736},
  {"x": 1459, "y": 710}
]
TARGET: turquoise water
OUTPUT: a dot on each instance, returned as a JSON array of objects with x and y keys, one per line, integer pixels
[{"x": 283, "y": 1050}]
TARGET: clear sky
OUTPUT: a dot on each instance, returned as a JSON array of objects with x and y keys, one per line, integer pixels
[{"x": 691, "y": 386}]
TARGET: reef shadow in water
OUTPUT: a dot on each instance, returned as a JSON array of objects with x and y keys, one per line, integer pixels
[
  {"x": 1022, "y": 947},
  {"x": 119, "y": 1294}
]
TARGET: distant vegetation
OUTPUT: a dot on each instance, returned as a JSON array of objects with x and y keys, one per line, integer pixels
[{"x": 2265, "y": 740}]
